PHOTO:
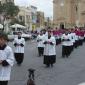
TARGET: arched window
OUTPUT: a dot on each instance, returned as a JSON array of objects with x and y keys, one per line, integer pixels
[{"x": 76, "y": 7}]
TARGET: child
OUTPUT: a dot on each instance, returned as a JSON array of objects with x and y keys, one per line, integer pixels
[
  {"x": 40, "y": 44},
  {"x": 6, "y": 60},
  {"x": 49, "y": 50},
  {"x": 19, "y": 44}
]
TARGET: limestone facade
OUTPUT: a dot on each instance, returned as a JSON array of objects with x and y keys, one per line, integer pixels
[{"x": 69, "y": 13}]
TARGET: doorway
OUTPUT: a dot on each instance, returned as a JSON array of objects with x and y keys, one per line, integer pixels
[{"x": 62, "y": 25}]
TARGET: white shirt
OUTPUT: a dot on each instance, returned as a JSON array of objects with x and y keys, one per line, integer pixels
[
  {"x": 40, "y": 39},
  {"x": 50, "y": 49},
  {"x": 19, "y": 49},
  {"x": 6, "y": 54},
  {"x": 67, "y": 43}
]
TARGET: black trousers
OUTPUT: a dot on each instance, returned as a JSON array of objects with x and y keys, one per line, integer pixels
[
  {"x": 3, "y": 82},
  {"x": 58, "y": 41},
  {"x": 49, "y": 59},
  {"x": 40, "y": 51},
  {"x": 81, "y": 42},
  {"x": 84, "y": 39},
  {"x": 66, "y": 51},
  {"x": 19, "y": 57}
]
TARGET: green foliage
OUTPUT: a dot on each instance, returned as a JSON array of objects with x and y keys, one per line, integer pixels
[
  {"x": 9, "y": 9},
  {"x": 1, "y": 8}
]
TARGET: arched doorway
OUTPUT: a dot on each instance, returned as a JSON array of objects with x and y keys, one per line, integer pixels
[{"x": 62, "y": 25}]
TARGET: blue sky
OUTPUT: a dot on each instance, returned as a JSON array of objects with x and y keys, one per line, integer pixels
[{"x": 43, "y": 5}]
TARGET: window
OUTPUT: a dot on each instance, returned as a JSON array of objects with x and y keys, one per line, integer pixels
[{"x": 76, "y": 8}]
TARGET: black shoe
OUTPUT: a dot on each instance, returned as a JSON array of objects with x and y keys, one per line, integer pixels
[
  {"x": 51, "y": 65},
  {"x": 47, "y": 66},
  {"x": 66, "y": 56},
  {"x": 42, "y": 55}
]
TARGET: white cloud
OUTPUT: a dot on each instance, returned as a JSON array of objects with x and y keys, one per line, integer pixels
[{"x": 43, "y": 5}]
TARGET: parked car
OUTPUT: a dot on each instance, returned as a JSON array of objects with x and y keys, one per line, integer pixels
[
  {"x": 13, "y": 35},
  {"x": 27, "y": 36}
]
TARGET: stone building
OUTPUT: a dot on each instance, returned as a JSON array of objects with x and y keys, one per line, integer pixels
[
  {"x": 24, "y": 16},
  {"x": 68, "y": 13},
  {"x": 40, "y": 19}
]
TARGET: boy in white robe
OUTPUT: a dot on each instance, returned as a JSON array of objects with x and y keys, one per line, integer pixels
[
  {"x": 49, "y": 50},
  {"x": 19, "y": 44},
  {"x": 6, "y": 60},
  {"x": 40, "y": 44}
]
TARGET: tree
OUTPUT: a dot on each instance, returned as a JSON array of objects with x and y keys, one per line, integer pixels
[
  {"x": 1, "y": 8},
  {"x": 10, "y": 10}
]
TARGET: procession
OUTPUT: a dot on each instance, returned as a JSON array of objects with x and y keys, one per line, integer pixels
[
  {"x": 46, "y": 43},
  {"x": 42, "y": 42}
]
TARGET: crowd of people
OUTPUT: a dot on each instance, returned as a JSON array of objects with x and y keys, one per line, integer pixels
[
  {"x": 69, "y": 39},
  {"x": 47, "y": 40}
]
